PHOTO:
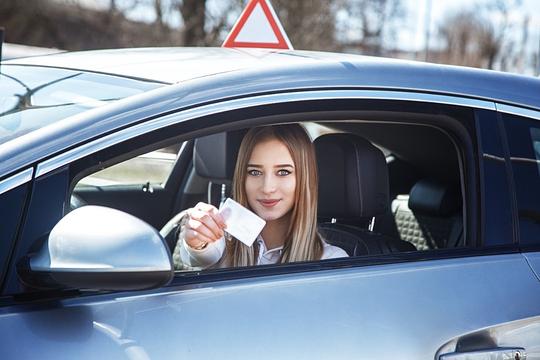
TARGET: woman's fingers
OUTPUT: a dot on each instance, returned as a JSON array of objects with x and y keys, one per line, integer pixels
[
  {"x": 204, "y": 219},
  {"x": 195, "y": 239},
  {"x": 203, "y": 229},
  {"x": 213, "y": 212},
  {"x": 204, "y": 222}
]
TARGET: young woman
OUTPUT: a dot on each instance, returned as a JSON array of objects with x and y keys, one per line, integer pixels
[{"x": 276, "y": 178}]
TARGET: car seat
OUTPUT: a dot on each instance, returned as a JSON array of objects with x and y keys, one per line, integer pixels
[
  {"x": 214, "y": 159},
  {"x": 353, "y": 189},
  {"x": 430, "y": 216}
]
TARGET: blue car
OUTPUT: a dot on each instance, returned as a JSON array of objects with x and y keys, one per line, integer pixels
[{"x": 429, "y": 180}]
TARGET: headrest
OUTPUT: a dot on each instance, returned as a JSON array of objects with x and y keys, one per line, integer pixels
[
  {"x": 214, "y": 156},
  {"x": 430, "y": 197},
  {"x": 353, "y": 177}
]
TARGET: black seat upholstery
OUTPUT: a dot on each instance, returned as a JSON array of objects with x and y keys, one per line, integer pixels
[
  {"x": 353, "y": 188},
  {"x": 214, "y": 158},
  {"x": 430, "y": 216}
]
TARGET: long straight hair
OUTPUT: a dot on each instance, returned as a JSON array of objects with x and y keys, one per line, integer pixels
[{"x": 302, "y": 241}]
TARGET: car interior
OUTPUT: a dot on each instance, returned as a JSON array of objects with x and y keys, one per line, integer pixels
[{"x": 384, "y": 187}]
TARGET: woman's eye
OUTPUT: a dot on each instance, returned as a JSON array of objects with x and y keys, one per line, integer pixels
[
  {"x": 254, "y": 172},
  {"x": 283, "y": 172}
]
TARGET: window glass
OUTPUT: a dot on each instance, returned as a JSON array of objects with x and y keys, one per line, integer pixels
[
  {"x": 523, "y": 139},
  {"x": 32, "y": 97},
  {"x": 535, "y": 138},
  {"x": 153, "y": 167}
]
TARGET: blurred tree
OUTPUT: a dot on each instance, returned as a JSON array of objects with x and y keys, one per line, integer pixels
[
  {"x": 479, "y": 38},
  {"x": 468, "y": 39},
  {"x": 194, "y": 16},
  {"x": 66, "y": 24},
  {"x": 204, "y": 25},
  {"x": 501, "y": 9},
  {"x": 158, "y": 9},
  {"x": 310, "y": 24},
  {"x": 521, "y": 56},
  {"x": 369, "y": 22}
]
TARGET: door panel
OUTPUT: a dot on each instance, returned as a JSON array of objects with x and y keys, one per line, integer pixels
[
  {"x": 504, "y": 340},
  {"x": 533, "y": 258},
  {"x": 151, "y": 203},
  {"x": 397, "y": 311}
]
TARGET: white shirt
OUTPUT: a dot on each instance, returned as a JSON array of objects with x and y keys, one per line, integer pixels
[{"x": 213, "y": 252}]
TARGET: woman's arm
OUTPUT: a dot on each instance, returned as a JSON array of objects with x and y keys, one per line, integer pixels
[
  {"x": 332, "y": 252},
  {"x": 200, "y": 243},
  {"x": 193, "y": 259}
]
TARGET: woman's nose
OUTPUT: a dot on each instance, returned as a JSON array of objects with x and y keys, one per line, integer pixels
[{"x": 269, "y": 184}]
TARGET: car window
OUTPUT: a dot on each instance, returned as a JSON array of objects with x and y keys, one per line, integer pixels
[
  {"x": 33, "y": 97},
  {"x": 423, "y": 210},
  {"x": 524, "y": 144}
]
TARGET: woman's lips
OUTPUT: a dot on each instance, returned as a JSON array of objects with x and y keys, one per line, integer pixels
[{"x": 268, "y": 203}]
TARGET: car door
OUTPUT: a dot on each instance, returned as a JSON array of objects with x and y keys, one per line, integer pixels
[{"x": 449, "y": 303}]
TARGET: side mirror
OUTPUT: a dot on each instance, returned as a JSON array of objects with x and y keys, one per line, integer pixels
[{"x": 95, "y": 247}]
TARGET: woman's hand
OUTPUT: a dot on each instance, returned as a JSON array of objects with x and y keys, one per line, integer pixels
[{"x": 205, "y": 225}]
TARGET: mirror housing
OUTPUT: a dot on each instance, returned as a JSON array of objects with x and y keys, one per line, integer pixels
[{"x": 95, "y": 247}]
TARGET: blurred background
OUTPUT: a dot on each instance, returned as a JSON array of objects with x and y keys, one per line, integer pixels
[{"x": 494, "y": 34}]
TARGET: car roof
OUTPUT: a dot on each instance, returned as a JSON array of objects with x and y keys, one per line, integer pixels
[
  {"x": 173, "y": 65},
  {"x": 167, "y": 65},
  {"x": 204, "y": 75}
]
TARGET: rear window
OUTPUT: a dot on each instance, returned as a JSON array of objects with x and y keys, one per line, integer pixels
[{"x": 32, "y": 97}]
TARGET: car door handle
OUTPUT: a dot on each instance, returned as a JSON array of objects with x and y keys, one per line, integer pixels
[{"x": 502, "y": 353}]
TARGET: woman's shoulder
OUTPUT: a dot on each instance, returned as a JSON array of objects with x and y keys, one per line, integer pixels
[{"x": 332, "y": 252}]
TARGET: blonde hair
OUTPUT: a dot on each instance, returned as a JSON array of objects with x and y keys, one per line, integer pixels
[{"x": 302, "y": 242}]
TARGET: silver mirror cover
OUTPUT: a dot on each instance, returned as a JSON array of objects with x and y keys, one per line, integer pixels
[{"x": 95, "y": 247}]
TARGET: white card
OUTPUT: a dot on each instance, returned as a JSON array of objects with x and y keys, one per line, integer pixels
[{"x": 241, "y": 223}]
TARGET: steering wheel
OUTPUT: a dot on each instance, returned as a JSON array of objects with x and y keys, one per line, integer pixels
[{"x": 170, "y": 229}]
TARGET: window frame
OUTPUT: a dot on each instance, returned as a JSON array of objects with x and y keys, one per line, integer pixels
[
  {"x": 324, "y": 114},
  {"x": 489, "y": 122},
  {"x": 529, "y": 115}
]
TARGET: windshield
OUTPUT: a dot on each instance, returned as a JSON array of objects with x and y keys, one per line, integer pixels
[{"x": 32, "y": 97}]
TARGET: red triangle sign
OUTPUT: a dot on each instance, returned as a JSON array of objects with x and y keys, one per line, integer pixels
[{"x": 258, "y": 27}]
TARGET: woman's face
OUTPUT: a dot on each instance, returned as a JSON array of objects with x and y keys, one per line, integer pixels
[{"x": 271, "y": 180}]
